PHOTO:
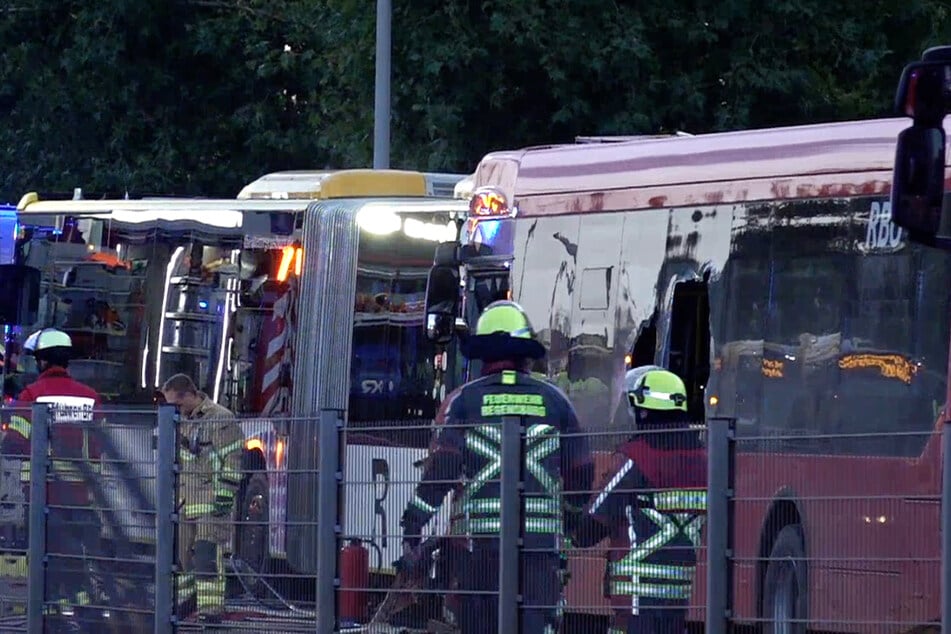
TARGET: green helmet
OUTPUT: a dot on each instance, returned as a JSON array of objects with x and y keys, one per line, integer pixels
[
  {"x": 503, "y": 332},
  {"x": 654, "y": 388},
  {"x": 505, "y": 317}
]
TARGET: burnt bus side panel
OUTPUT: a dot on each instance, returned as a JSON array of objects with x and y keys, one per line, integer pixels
[
  {"x": 322, "y": 364},
  {"x": 593, "y": 285}
]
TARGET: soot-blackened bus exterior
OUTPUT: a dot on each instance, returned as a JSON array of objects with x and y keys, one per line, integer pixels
[{"x": 763, "y": 267}]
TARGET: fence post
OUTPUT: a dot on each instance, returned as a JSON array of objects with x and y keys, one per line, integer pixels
[
  {"x": 946, "y": 528},
  {"x": 164, "y": 520},
  {"x": 719, "y": 492},
  {"x": 510, "y": 520},
  {"x": 330, "y": 423},
  {"x": 36, "y": 553}
]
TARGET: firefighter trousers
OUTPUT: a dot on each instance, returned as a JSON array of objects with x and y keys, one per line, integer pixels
[
  {"x": 72, "y": 541},
  {"x": 541, "y": 592},
  {"x": 654, "y": 616},
  {"x": 202, "y": 576}
]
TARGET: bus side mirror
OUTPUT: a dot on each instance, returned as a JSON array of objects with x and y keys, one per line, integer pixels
[
  {"x": 19, "y": 295},
  {"x": 442, "y": 303},
  {"x": 917, "y": 196},
  {"x": 924, "y": 90}
]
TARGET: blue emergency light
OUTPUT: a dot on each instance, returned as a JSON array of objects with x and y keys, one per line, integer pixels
[{"x": 8, "y": 232}]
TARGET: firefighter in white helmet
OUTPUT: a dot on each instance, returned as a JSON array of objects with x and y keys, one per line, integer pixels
[{"x": 73, "y": 526}]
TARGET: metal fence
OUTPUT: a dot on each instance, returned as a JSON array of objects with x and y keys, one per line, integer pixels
[{"x": 129, "y": 559}]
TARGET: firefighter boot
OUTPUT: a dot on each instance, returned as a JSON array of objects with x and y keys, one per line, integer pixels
[{"x": 209, "y": 581}]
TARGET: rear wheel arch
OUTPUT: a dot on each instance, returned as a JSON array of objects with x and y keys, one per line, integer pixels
[{"x": 784, "y": 511}]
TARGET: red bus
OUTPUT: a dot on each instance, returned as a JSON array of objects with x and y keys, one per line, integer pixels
[{"x": 764, "y": 268}]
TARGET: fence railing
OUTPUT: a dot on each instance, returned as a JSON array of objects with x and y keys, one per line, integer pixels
[{"x": 772, "y": 546}]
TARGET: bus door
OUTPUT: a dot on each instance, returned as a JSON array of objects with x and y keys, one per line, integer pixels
[
  {"x": 697, "y": 250},
  {"x": 687, "y": 344}
]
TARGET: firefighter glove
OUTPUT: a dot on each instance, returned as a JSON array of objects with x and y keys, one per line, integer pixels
[{"x": 412, "y": 559}]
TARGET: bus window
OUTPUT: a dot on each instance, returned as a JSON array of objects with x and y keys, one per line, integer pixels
[
  {"x": 888, "y": 380},
  {"x": 743, "y": 369},
  {"x": 803, "y": 335},
  {"x": 393, "y": 381}
]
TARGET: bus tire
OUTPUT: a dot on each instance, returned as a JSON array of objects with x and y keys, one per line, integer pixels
[
  {"x": 785, "y": 584},
  {"x": 252, "y": 533}
]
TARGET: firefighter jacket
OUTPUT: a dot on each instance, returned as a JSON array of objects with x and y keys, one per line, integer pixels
[
  {"x": 651, "y": 504},
  {"x": 210, "y": 450},
  {"x": 75, "y": 449},
  {"x": 468, "y": 447}
]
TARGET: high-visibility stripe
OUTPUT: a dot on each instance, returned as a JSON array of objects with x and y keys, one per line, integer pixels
[
  {"x": 691, "y": 526},
  {"x": 69, "y": 409},
  {"x": 210, "y": 589},
  {"x": 220, "y": 473},
  {"x": 184, "y": 587},
  {"x": 422, "y": 505},
  {"x": 62, "y": 470},
  {"x": 681, "y": 500},
  {"x": 485, "y": 440},
  {"x": 625, "y": 568},
  {"x": 229, "y": 477},
  {"x": 533, "y": 506},
  {"x": 196, "y": 510},
  {"x": 227, "y": 450},
  {"x": 539, "y": 444},
  {"x": 542, "y": 525},
  {"x": 652, "y": 590},
  {"x": 13, "y": 566},
  {"x": 20, "y": 425},
  {"x": 616, "y": 480}
]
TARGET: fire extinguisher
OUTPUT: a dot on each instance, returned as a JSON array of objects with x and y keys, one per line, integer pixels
[{"x": 354, "y": 582}]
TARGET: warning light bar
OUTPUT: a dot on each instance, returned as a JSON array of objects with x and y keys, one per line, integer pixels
[{"x": 489, "y": 202}]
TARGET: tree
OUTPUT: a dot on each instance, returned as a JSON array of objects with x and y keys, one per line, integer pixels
[{"x": 199, "y": 97}]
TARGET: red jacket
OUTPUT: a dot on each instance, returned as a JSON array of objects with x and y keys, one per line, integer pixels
[{"x": 69, "y": 442}]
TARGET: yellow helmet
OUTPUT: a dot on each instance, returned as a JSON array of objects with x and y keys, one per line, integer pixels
[
  {"x": 503, "y": 332},
  {"x": 654, "y": 388}
]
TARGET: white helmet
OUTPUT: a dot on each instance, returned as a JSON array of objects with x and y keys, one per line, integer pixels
[{"x": 45, "y": 340}]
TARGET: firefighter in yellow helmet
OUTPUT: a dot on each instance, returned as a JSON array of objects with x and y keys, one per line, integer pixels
[
  {"x": 651, "y": 505},
  {"x": 468, "y": 449}
]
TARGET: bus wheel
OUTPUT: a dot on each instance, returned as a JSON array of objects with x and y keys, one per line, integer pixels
[
  {"x": 785, "y": 584},
  {"x": 252, "y": 548}
]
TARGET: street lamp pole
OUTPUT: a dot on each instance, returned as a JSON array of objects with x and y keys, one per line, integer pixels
[{"x": 381, "y": 109}]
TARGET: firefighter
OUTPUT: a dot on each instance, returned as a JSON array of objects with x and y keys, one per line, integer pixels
[
  {"x": 210, "y": 450},
  {"x": 73, "y": 526},
  {"x": 468, "y": 447},
  {"x": 651, "y": 504}
]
